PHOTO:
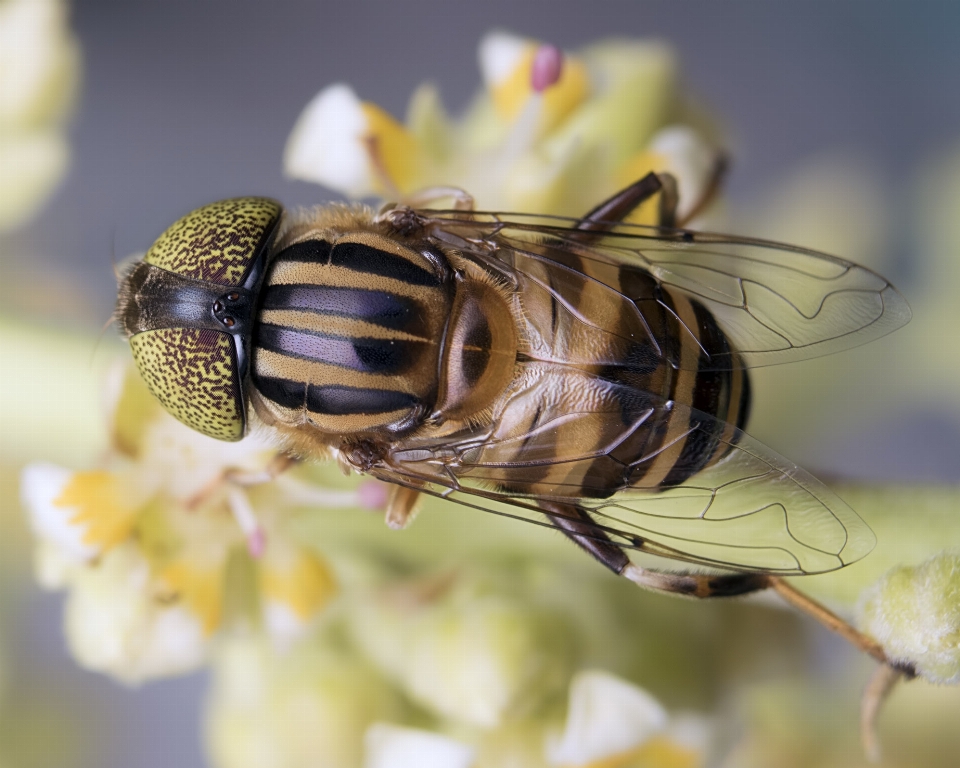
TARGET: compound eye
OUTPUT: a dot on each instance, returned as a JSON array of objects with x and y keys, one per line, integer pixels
[
  {"x": 193, "y": 373},
  {"x": 218, "y": 242}
]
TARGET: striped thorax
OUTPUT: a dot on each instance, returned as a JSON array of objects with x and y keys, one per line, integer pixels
[{"x": 365, "y": 334}]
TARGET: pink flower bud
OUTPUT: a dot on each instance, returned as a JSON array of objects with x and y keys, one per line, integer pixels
[{"x": 547, "y": 67}]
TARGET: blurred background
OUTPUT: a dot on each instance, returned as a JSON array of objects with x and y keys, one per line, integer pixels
[{"x": 842, "y": 118}]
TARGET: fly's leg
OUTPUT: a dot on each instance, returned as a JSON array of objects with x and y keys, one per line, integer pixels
[
  {"x": 604, "y": 217},
  {"x": 669, "y": 201},
  {"x": 696, "y": 584},
  {"x": 670, "y": 197},
  {"x": 424, "y": 198},
  {"x": 401, "y": 506},
  {"x": 615, "y": 209},
  {"x": 577, "y": 524}
]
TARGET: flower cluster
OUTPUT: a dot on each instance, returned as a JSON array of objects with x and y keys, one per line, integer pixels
[
  {"x": 159, "y": 546},
  {"x": 325, "y": 702},
  {"x": 915, "y": 613},
  {"x": 548, "y": 133},
  {"x": 466, "y": 663},
  {"x": 457, "y": 641}
]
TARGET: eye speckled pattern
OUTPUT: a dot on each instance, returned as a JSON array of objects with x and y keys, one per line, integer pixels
[
  {"x": 193, "y": 373},
  {"x": 217, "y": 242}
]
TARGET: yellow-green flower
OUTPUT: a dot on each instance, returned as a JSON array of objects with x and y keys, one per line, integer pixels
[
  {"x": 39, "y": 75},
  {"x": 555, "y": 143}
]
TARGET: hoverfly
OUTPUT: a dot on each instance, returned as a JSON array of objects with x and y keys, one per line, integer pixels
[{"x": 589, "y": 373}]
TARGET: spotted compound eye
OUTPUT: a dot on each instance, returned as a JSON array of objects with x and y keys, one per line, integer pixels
[
  {"x": 190, "y": 348},
  {"x": 193, "y": 373}
]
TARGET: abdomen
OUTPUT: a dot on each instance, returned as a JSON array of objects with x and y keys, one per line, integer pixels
[{"x": 597, "y": 408}]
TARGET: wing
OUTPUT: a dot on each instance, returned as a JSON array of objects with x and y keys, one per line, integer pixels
[
  {"x": 773, "y": 303},
  {"x": 750, "y": 510}
]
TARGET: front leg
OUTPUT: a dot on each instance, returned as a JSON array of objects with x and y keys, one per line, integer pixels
[
  {"x": 401, "y": 506},
  {"x": 424, "y": 198}
]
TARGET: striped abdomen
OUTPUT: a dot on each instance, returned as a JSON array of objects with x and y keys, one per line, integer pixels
[
  {"x": 348, "y": 335},
  {"x": 680, "y": 442},
  {"x": 614, "y": 364}
]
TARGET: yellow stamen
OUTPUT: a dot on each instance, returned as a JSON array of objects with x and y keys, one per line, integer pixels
[
  {"x": 200, "y": 588},
  {"x": 305, "y": 585},
  {"x": 100, "y": 508},
  {"x": 394, "y": 153}
]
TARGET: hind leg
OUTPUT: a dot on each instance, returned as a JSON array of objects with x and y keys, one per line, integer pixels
[
  {"x": 577, "y": 524},
  {"x": 586, "y": 533}
]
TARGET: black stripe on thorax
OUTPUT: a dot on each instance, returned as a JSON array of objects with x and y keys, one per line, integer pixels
[
  {"x": 359, "y": 257},
  {"x": 310, "y": 251},
  {"x": 368, "y": 355},
  {"x": 388, "y": 310},
  {"x": 334, "y": 399}
]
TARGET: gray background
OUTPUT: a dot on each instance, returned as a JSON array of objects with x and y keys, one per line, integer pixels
[
  {"x": 187, "y": 101},
  {"x": 184, "y": 102}
]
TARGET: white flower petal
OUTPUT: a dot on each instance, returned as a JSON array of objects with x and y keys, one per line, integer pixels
[
  {"x": 53, "y": 569},
  {"x": 40, "y": 485},
  {"x": 606, "y": 716},
  {"x": 326, "y": 144},
  {"x": 183, "y": 461},
  {"x": 484, "y": 660},
  {"x": 115, "y": 624},
  {"x": 689, "y": 159},
  {"x": 283, "y": 624},
  {"x": 390, "y": 746},
  {"x": 500, "y": 53}
]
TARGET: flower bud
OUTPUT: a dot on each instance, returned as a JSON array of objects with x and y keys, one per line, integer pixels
[{"x": 914, "y": 612}]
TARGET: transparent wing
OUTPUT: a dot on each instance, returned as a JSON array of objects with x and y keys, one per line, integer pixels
[
  {"x": 752, "y": 511},
  {"x": 774, "y": 303}
]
